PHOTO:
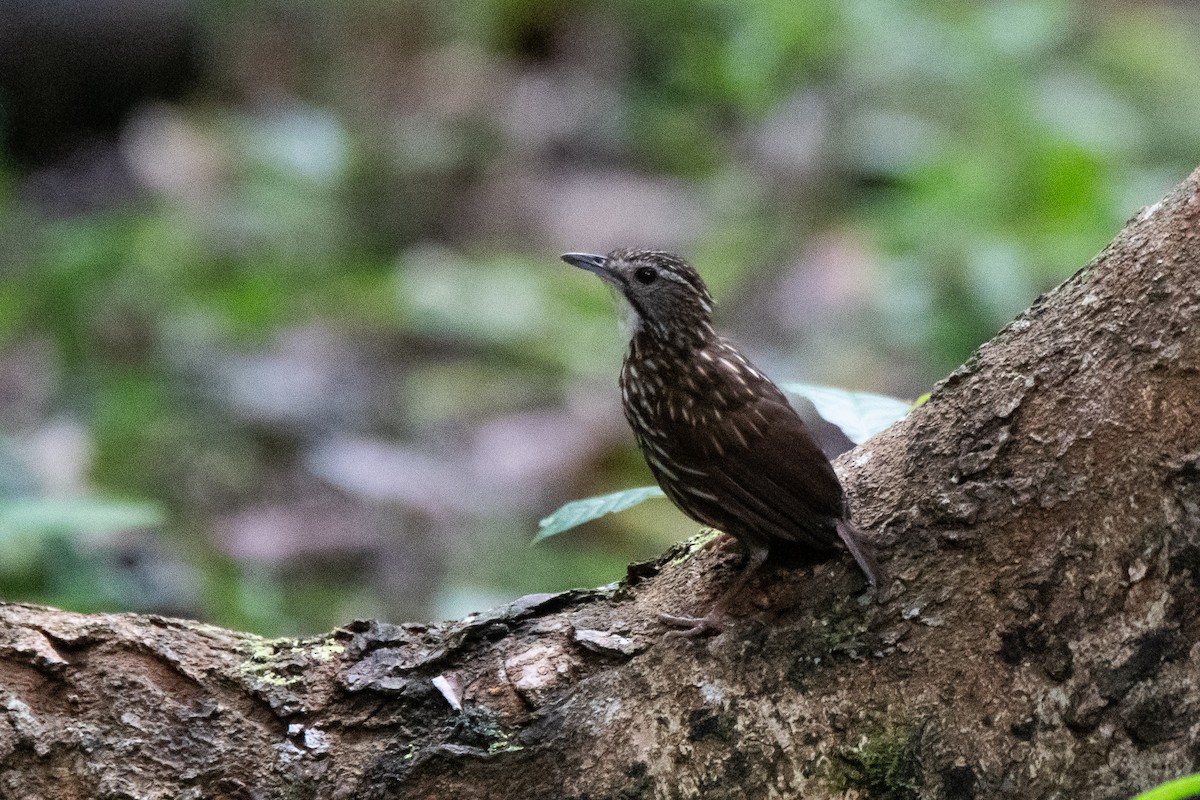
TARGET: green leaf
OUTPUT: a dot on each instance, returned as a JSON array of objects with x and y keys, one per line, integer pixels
[
  {"x": 860, "y": 415},
  {"x": 74, "y": 516},
  {"x": 1180, "y": 789},
  {"x": 580, "y": 511}
]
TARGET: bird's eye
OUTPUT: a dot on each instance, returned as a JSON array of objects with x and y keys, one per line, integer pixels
[{"x": 645, "y": 275}]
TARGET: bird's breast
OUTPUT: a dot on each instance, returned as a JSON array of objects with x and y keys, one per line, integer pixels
[{"x": 697, "y": 405}]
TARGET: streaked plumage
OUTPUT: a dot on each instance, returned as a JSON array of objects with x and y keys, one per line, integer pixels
[{"x": 718, "y": 435}]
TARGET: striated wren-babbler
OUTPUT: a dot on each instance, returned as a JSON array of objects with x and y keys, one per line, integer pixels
[{"x": 718, "y": 435}]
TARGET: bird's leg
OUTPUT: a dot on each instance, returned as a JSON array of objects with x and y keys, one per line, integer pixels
[{"x": 712, "y": 622}]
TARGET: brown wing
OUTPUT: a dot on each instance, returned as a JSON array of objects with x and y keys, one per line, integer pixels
[
  {"x": 754, "y": 472},
  {"x": 780, "y": 476}
]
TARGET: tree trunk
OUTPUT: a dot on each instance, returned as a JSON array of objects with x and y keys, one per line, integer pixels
[{"x": 1039, "y": 516}]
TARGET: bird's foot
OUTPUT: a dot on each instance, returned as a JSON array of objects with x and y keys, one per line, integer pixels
[{"x": 692, "y": 627}]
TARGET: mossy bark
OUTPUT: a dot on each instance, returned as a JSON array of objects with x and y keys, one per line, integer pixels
[{"x": 1039, "y": 516}]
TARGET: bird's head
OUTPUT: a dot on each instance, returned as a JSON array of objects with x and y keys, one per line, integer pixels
[{"x": 657, "y": 293}]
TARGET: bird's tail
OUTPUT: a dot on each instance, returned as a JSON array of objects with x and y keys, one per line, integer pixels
[{"x": 851, "y": 536}]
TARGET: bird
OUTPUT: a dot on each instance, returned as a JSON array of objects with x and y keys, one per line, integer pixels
[{"x": 719, "y": 436}]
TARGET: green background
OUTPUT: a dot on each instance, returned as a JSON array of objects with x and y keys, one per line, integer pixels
[{"x": 327, "y": 359}]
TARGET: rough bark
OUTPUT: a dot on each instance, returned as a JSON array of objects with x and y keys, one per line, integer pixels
[{"x": 1039, "y": 516}]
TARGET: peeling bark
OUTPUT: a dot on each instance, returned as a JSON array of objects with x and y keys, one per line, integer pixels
[{"x": 1039, "y": 516}]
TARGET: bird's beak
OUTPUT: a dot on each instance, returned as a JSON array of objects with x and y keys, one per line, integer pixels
[{"x": 596, "y": 264}]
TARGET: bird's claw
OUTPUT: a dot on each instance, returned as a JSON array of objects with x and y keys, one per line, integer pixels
[{"x": 692, "y": 627}]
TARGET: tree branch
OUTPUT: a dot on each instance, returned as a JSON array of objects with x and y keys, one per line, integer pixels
[{"x": 1040, "y": 516}]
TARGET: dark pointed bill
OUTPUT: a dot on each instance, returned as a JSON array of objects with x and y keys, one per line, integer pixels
[{"x": 596, "y": 264}]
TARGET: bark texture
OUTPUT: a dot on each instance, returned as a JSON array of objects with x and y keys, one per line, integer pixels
[{"x": 1039, "y": 516}]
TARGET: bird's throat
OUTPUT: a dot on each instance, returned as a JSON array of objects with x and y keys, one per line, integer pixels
[{"x": 627, "y": 316}]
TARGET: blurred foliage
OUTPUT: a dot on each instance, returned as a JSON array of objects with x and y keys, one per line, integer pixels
[
  {"x": 347, "y": 232},
  {"x": 858, "y": 415},
  {"x": 577, "y": 512},
  {"x": 1179, "y": 789},
  {"x": 61, "y": 550}
]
